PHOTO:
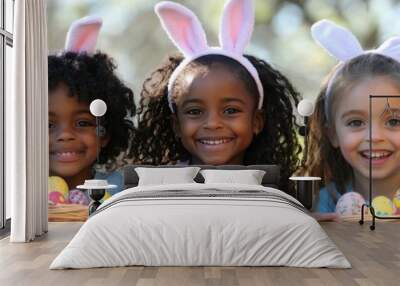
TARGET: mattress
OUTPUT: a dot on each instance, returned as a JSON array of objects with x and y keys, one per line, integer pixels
[{"x": 201, "y": 225}]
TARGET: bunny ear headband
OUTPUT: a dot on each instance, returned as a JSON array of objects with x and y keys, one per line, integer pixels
[
  {"x": 187, "y": 34},
  {"x": 82, "y": 35},
  {"x": 343, "y": 45}
]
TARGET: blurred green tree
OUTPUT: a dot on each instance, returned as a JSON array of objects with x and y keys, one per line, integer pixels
[{"x": 132, "y": 35}]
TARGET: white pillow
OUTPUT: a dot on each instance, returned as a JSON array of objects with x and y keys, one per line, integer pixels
[
  {"x": 248, "y": 177},
  {"x": 164, "y": 176}
]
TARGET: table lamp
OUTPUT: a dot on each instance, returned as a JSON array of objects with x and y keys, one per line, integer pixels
[
  {"x": 307, "y": 188},
  {"x": 97, "y": 188},
  {"x": 98, "y": 108},
  {"x": 305, "y": 109}
]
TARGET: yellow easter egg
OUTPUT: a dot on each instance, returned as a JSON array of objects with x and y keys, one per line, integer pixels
[
  {"x": 106, "y": 196},
  {"x": 58, "y": 184},
  {"x": 396, "y": 199},
  {"x": 383, "y": 206}
]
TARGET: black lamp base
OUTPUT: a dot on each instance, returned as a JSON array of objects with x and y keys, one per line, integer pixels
[
  {"x": 307, "y": 191},
  {"x": 96, "y": 195}
]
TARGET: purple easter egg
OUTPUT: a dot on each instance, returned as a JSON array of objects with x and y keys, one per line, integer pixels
[
  {"x": 350, "y": 204},
  {"x": 78, "y": 197}
]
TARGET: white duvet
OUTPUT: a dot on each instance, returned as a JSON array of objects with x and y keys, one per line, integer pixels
[{"x": 185, "y": 230}]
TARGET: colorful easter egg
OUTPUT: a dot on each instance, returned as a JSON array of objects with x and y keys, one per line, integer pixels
[
  {"x": 396, "y": 202},
  {"x": 58, "y": 184},
  {"x": 56, "y": 198},
  {"x": 396, "y": 199},
  {"x": 78, "y": 197},
  {"x": 383, "y": 206},
  {"x": 350, "y": 204}
]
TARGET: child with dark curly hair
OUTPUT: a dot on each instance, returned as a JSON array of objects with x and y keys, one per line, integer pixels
[
  {"x": 76, "y": 78},
  {"x": 212, "y": 105}
]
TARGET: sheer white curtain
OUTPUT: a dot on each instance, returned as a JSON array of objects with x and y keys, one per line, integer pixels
[{"x": 27, "y": 123}]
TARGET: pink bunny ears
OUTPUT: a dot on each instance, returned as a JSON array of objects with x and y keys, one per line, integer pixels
[
  {"x": 343, "y": 45},
  {"x": 187, "y": 34},
  {"x": 82, "y": 35}
]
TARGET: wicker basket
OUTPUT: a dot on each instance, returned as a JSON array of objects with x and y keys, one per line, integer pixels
[{"x": 68, "y": 212}]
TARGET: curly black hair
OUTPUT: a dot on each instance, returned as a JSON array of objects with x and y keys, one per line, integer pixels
[
  {"x": 90, "y": 77},
  {"x": 277, "y": 143}
]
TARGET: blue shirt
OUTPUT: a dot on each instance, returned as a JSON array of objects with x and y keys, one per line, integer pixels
[
  {"x": 327, "y": 202},
  {"x": 113, "y": 178}
]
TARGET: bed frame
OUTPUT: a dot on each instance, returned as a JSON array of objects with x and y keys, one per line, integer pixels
[
  {"x": 270, "y": 179},
  {"x": 131, "y": 178}
]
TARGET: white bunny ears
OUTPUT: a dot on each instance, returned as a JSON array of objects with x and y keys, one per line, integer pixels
[
  {"x": 82, "y": 35},
  {"x": 187, "y": 34},
  {"x": 343, "y": 45}
]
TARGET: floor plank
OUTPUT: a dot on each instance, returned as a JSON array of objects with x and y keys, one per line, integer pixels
[{"x": 374, "y": 255}]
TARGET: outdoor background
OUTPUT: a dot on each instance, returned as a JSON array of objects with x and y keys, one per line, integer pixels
[{"x": 132, "y": 34}]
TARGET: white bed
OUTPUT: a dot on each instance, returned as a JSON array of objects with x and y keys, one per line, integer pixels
[{"x": 201, "y": 224}]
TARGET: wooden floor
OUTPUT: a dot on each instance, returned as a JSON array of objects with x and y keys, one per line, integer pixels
[{"x": 374, "y": 255}]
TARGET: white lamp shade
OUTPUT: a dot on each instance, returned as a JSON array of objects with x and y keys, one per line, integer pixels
[
  {"x": 305, "y": 107},
  {"x": 98, "y": 107}
]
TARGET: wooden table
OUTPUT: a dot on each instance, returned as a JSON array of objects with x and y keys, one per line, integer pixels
[{"x": 374, "y": 255}]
